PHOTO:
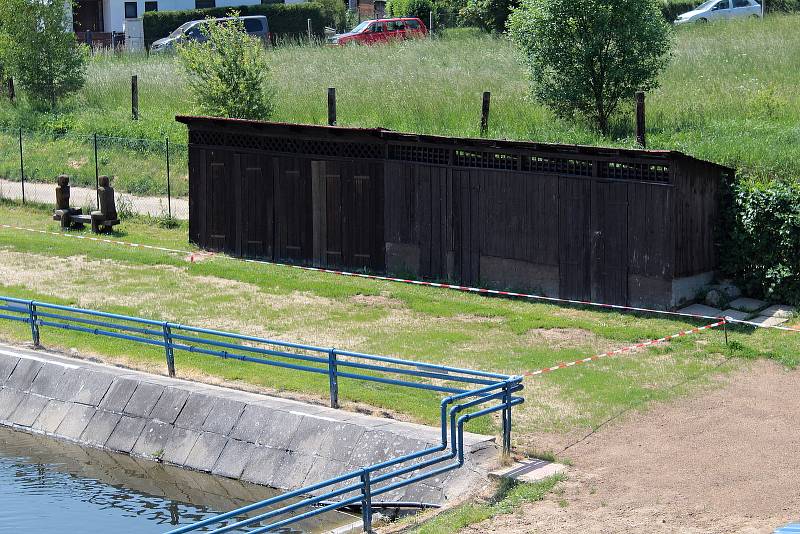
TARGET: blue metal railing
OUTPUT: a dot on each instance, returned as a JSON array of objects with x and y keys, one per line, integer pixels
[{"x": 471, "y": 394}]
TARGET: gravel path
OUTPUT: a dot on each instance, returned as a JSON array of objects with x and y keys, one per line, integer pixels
[
  {"x": 82, "y": 196},
  {"x": 725, "y": 461}
]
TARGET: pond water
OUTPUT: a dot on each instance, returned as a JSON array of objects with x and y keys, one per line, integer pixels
[{"x": 48, "y": 485}]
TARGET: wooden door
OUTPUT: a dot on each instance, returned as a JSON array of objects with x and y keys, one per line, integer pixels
[
  {"x": 574, "y": 252},
  {"x": 293, "y": 215},
  {"x": 257, "y": 206},
  {"x": 610, "y": 242}
]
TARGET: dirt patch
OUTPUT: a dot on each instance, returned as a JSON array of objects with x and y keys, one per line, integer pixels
[
  {"x": 380, "y": 301},
  {"x": 561, "y": 338},
  {"x": 727, "y": 461},
  {"x": 77, "y": 163}
]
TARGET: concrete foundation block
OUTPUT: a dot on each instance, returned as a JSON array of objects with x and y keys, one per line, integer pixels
[
  {"x": 51, "y": 416},
  {"x": 29, "y": 409},
  {"x": 100, "y": 428},
  {"x": 179, "y": 445},
  {"x": 23, "y": 375},
  {"x": 747, "y": 304},
  {"x": 195, "y": 411},
  {"x": 47, "y": 381},
  {"x": 9, "y": 400},
  {"x": 75, "y": 421},
  {"x": 223, "y": 416},
  {"x": 233, "y": 459},
  {"x": 143, "y": 400},
  {"x": 118, "y": 394},
  {"x": 92, "y": 387},
  {"x": 169, "y": 405},
  {"x": 153, "y": 440},
  {"x": 125, "y": 434},
  {"x": 280, "y": 429},
  {"x": 206, "y": 451},
  {"x": 7, "y": 365}
]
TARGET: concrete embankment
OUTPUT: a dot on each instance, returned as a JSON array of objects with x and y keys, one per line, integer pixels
[{"x": 266, "y": 440}]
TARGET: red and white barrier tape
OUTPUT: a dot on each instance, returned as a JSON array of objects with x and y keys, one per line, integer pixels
[
  {"x": 623, "y": 350},
  {"x": 191, "y": 255},
  {"x": 773, "y": 326}
]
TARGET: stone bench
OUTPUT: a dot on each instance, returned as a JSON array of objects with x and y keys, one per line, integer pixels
[{"x": 102, "y": 221}]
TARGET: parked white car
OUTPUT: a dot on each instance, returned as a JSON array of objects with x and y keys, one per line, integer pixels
[{"x": 721, "y": 10}]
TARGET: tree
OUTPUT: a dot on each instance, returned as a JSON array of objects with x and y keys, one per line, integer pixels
[
  {"x": 228, "y": 71},
  {"x": 588, "y": 56},
  {"x": 489, "y": 15},
  {"x": 38, "y": 48}
]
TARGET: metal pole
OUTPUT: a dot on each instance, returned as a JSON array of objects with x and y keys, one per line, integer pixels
[
  {"x": 309, "y": 29},
  {"x": 640, "y": 120},
  {"x": 333, "y": 378},
  {"x": 331, "y": 106},
  {"x": 96, "y": 173},
  {"x": 506, "y": 421},
  {"x": 366, "y": 502},
  {"x": 21, "y": 166},
  {"x": 169, "y": 351},
  {"x": 430, "y": 21},
  {"x": 169, "y": 191},
  {"x": 34, "y": 325},
  {"x": 135, "y": 97},
  {"x": 487, "y": 96},
  {"x": 725, "y": 329}
]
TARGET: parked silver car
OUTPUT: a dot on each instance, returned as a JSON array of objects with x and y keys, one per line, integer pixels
[
  {"x": 721, "y": 10},
  {"x": 255, "y": 25}
]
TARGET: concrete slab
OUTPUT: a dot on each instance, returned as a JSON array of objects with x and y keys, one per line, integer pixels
[
  {"x": 9, "y": 400},
  {"x": 280, "y": 429},
  {"x": 768, "y": 321},
  {"x": 7, "y": 364},
  {"x": 92, "y": 387},
  {"x": 293, "y": 471},
  {"x": 29, "y": 409},
  {"x": 51, "y": 416},
  {"x": 223, "y": 416},
  {"x": 100, "y": 428},
  {"x": 747, "y": 304},
  {"x": 782, "y": 311},
  {"x": 233, "y": 459},
  {"x": 701, "y": 309},
  {"x": 264, "y": 462},
  {"x": 143, "y": 400},
  {"x": 118, "y": 395},
  {"x": 195, "y": 411},
  {"x": 179, "y": 445},
  {"x": 206, "y": 451},
  {"x": 252, "y": 422},
  {"x": 153, "y": 440},
  {"x": 169, "y": 405},
  {"x": 126, "y": 434},
  {"x": 46, "y": 382},
  {"x": 24, "y": 374},
  {"x": 736, "y": 314},
  {"x": 529, "y": 470},
  {"x": 75, "y": 421},
  {"x": 338, "y": 442},
  {"x": 323, "y": 469}
]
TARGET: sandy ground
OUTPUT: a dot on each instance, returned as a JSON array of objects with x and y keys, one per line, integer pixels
[{"x": 724, "y": 461}]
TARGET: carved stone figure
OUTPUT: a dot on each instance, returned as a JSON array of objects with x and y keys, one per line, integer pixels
[
  {"x": 62, "y": 192},
  {"x": 107, "y": 216}
]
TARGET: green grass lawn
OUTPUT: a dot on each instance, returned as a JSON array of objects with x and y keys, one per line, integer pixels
[
  {"x": 412, "y": 322},
  {"x": 729, "y": 95}
]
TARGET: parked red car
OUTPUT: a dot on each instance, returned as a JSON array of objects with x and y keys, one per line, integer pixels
[{"x": 382, "y": 30}]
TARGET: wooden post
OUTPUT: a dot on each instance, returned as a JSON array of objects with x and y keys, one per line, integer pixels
[
  {"x": 331, "y": 106},
  {"x": 11, "y": 95},
  {"x": 485, "y": 113},
  {"x": 640, "y": 120},
  {"x": 135, "y": 97}
]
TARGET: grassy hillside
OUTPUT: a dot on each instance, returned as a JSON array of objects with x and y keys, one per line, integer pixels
[{"x": 729, "y": 94}]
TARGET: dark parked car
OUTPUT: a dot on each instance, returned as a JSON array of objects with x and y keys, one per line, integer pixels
[
  {"x": 255, "y": 25},
  {"x": 382, "y": 30}
]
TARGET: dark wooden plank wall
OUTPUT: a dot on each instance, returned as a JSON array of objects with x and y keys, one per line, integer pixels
[{"x": 696, "y": 211}]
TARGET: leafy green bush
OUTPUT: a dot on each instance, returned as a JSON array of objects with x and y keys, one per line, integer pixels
[
  {"x": 489, "y": 15},
  {"x": 227, "y": 72},
  {"x": 760, "y": 245},
  {"x": 588, "y": 56},
  {"x": 284, "y": 19},
  {"x": 410, "y": 8}
]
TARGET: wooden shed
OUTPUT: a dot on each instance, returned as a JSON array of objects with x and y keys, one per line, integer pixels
[{"x": 631, "y": 227}]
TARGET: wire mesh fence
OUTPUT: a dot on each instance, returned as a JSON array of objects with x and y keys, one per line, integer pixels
[{"x": 150, "y": 177}]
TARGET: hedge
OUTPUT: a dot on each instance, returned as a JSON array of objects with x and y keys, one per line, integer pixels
[
  {"x": 673, "y": 8},
  {"x": 760, "y": 239},
  {"x": 284, "y": 19}
]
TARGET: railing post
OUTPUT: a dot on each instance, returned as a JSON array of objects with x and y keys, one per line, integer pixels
[
  {"x": 506, "y": 421},
  {"x": 334, "y": 380},
  {"x": 34, "y": 324},
  {"x": 366, "y": 501},
  {"x": 168, "y": 350},
  {"x": 21, "y": 166}
]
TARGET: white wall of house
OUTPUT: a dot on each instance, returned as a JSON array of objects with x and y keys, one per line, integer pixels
[{"x": 114, "y": 10}]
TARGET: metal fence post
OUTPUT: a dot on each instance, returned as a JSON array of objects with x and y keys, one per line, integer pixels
[
  {"x": 366, "y": 501},
  {"x": 96, "y": 172},
  {"x": 169, "y": 192},
  {"x": 506, "y": 420},
  {"x": 334, "y": 380},
  {"x": 34, "y": 325},
  {"x": 21, "y": 166},
  {"x": 168, "y": 350}
]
